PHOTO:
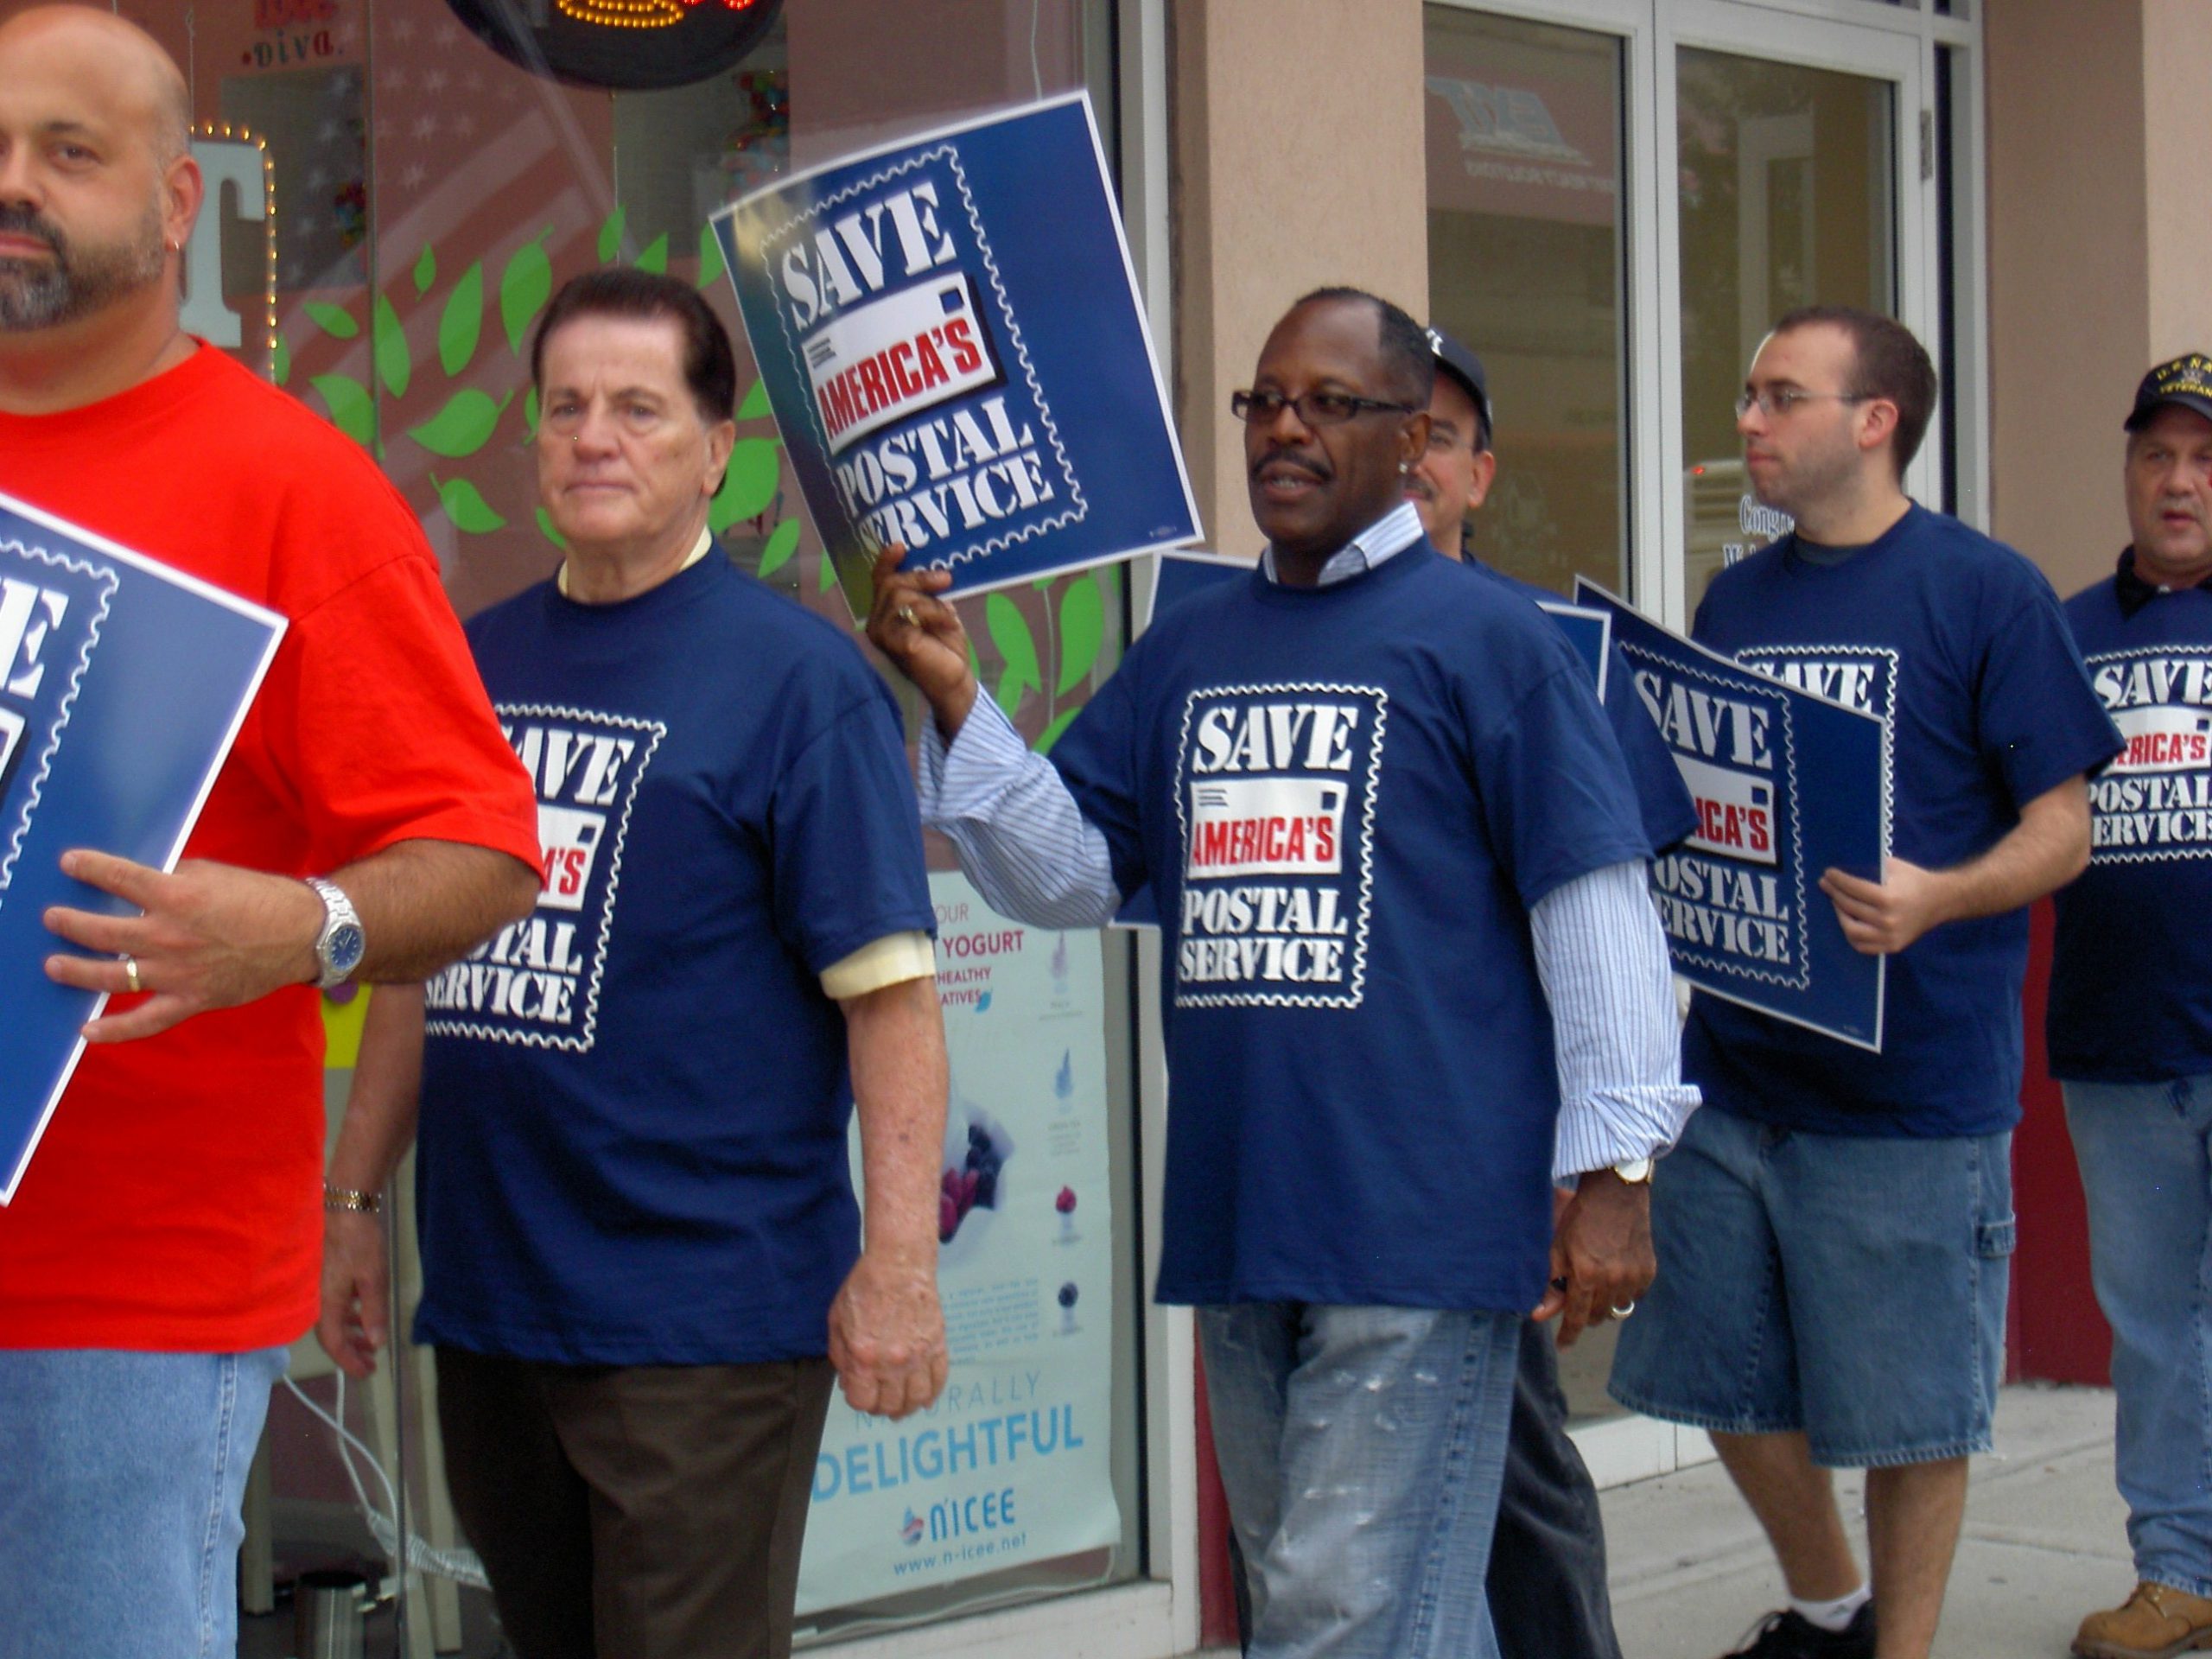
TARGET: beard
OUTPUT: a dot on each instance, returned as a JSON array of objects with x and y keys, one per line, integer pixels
[{"x": 76, "y": 281}]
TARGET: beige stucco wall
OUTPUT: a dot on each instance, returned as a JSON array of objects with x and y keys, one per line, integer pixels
[
  {"x": 2069, "y": 292},
  {"x": 2100, "y": 253},
  {"x": 1297, "y": 163},
  {"x": 2177, "y": 126}
]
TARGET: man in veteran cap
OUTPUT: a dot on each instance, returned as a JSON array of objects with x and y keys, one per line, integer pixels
[{"x": 2134, "y": 1048}]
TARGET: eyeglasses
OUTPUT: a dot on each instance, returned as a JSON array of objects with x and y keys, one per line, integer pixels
[
  {"x": 1313, "y": 407},
  {"x": 1782, "y": 399}
]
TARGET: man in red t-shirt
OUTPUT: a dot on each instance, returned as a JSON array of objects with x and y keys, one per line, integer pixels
[{"x": 163, "y": 1248}]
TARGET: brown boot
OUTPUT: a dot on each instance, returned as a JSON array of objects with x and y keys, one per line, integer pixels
[{"x": 2157, "y": 1622}]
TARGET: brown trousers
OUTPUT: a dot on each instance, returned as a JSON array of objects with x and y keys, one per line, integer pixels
[{"x": 635, "y": 1512}]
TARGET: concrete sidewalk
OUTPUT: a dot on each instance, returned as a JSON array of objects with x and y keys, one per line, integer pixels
[{"x": 2045, "y": 1542}]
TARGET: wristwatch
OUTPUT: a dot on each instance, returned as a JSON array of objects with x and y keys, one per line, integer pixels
[
  {"x": 339, "y": 946},
  {"x": 1636, "y": 1172}
]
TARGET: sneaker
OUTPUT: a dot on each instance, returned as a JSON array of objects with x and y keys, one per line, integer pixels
[
  {"x": 1789, "y": 1635},
  {"x": 2157, "y": 1622}
]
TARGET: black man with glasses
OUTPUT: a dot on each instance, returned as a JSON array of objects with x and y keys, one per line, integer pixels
[
  {"x": 1384, "y": 818},
  {"x": 1836, "y": 1225}
]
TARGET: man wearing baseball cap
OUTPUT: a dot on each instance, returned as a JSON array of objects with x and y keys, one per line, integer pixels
[
  {"x": 2132, "y": 1048},
  {"x": 1547, "y": 1580}
]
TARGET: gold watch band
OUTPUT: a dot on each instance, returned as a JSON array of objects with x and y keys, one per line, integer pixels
[{"x": 340, "y": 1198}]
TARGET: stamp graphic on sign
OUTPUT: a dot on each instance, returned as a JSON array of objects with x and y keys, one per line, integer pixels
[
  {"x": 1735, "y": 810},
  {"x": 896, "y": 356}
]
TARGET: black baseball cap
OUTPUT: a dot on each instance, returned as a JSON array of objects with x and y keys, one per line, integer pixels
[
  {"x": 1466, "y": 368},
  {"x": 2185, "y": 381}
]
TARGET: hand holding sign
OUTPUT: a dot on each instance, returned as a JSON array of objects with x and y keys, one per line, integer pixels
[
  {"x": 923, "y": 635},
  {"x": 1881, "y": 917},
  {"x": 211, "y": 936}
]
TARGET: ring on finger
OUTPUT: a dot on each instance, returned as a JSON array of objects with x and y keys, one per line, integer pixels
[
  {"x": 1621, "y": 1310},
  {"x": 906, "y": 613},
  {"x": 130, "y": 974}
]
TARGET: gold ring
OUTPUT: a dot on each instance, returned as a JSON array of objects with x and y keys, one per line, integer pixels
[
  {"x": 130, "y": 974},
  {"x": 906, "y": 613}
]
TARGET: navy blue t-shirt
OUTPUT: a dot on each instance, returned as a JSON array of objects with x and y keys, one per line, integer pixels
[
  {"x": 1662, "y": 797},
  {"x": 2130, "y": 987},
  {"x": 1957, "y": 644},
  {"x": 1347, "y": 799},
  {"x": 634, "y": 1103}
]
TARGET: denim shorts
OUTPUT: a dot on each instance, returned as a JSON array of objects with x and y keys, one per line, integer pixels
[{"x": 1850, "y": 1286}]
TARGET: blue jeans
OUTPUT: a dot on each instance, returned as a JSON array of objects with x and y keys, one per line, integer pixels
[
  {"x": 121, "y": 1476},
  {"x": 1852, "y": 1287},
  {"x": 1361, "y": 1449},
  {"x": 2143, "y": 1152}
]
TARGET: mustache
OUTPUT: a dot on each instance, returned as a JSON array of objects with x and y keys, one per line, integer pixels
[
  {"x": 22, "y": 221},
  {"x": 1284, "y": 458}
]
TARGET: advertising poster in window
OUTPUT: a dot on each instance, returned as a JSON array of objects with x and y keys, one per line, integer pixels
[
  {"x": 1011, "y": 1463},
  {"x": 950, "y": 335},
  {"x": 121, "y": 685},
  {"x": 1787, "y": 784}
]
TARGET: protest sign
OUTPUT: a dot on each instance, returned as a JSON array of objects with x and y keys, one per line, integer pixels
[
  {"x": 948, "y": 333},
  {"x": 1787, "y": 784},
  {"x": 1178, "y": 577},
  {"x": 1589, "y": 629},
  {"x": 121, "y": 685},
  {"x": 1012, "y": 1464}
]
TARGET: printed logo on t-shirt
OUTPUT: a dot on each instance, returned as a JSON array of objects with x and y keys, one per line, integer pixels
[
  {"x": 1864, "y": 677},
  {"x": 2155, "y": 800},
  {"x": 50, "y": 618},
  {"x": 537, "y": 982},
  {"x": 1276, "y": 799}
]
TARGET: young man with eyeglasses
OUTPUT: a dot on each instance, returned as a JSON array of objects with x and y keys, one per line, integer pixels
[
  {"x": 1394, "y": 848},
  {"x": 1836, "y": 1224}
]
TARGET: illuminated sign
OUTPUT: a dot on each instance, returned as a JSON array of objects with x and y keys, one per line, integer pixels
[
  {"x": 241, "y": 182},
  {"x": 623, "y": 44}
]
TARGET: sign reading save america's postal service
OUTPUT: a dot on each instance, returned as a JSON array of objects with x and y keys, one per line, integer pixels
[
  {"x": 948, "y": 333},
  {"x": 1787, "y": 783},
  {"x": 122, "y": 684}
]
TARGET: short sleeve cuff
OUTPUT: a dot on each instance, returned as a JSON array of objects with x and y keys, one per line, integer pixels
[{"x": 892, "y": 960}]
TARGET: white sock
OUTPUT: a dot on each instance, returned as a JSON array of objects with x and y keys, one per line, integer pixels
[{"x": 1833, "y": 1616}]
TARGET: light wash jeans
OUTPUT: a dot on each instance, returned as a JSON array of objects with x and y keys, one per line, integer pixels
[
  {"x": 121, "y": 1478},
  {"x": 2142, "y": 1151},
  {"x": 1361, "y": 1449}
]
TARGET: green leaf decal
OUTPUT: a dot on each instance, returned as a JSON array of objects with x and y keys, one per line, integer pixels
[
  {"x": 711, "y": 255},
  {"x": 747, "y": 487},
  {"x": 1082, "y": 629},
  {"x": 829, "y": 571},
  {"x": 1010, "y": 633},
  {"x": 1010, "y": 692},
  {"x": 530, "y": 413},
  {"x": 280, "y": 361},
  {"x": 756, "y": 402},
  {"x": 655, "y": 258},
  {"x": 426, "y": 271},
  {"x": 334, "y": 319},
  {"x": 783, "y": 542},
  {"x": 469, "y": 510},
  {"x": 550, "y": 531},
  {"x": 462, "y": 320},
  {"x": 524, "y": 286},
  {"x": 462, "y": 426},
  {"x": 389, "y": 351},
  {"x": 352, "y": 410},
  {"x": 610, "y": 235},
  {"x": 1051, "y": 732}
]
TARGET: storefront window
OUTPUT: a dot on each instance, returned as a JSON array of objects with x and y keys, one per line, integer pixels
[
  {"x": 1527, "y": 247},
  {"x": 1788, "y": 198},
  {"x": 429, "y": 195}
]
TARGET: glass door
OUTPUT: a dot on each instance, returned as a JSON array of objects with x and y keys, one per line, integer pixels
[{"x": 1797, "y": 182}]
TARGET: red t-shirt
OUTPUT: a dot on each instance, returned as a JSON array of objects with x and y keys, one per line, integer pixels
[{"x": 174, "y": 1202}]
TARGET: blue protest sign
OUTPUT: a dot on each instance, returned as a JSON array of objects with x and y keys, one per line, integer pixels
[
  {"x": 1589, "y": 629},
  {"x": 1177, "y": 577},
  {"x": 1787, "y": 784},
  {"x": 121, "y": 685},
  {"x": 948, "y": 333}
]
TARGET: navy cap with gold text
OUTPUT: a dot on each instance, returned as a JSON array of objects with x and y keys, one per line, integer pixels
[{"x": 2185, "y": 381}]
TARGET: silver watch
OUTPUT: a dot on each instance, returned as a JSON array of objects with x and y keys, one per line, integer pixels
[{"x": 341, "y": 943}]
